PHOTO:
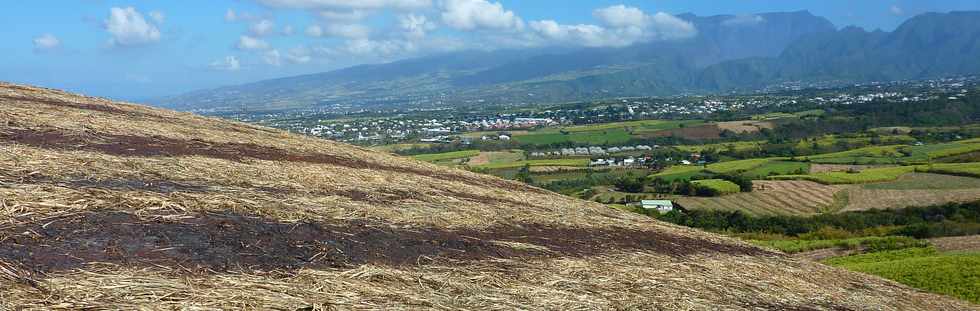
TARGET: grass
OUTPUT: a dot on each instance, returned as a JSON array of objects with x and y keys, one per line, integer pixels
[
  {"x": 642, "y": 125},
  {"x": 720, "y": 185},
  {"x": 867, "y": 155},
  {"x": 736, "y": 146},
  {"x": 604, "y": 137},
  {"x": 866, "y": 176},
  {"x": 549, "y": 162},
  {"x": 954, "y": 274},
  {"x": 961, "y": 169},
  {"x": 927, "y": 181},
  {"x": 737, "y": 166},
  {"x": 433, "y": 157},
  {"x": 680, "y": 172},
  {"x": 777, "y": 168},
  {"x": 600, "y": 134},
  {"x": 880, "y": 243}
]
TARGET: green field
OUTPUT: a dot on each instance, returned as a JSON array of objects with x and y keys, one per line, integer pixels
[
  {"x": 679, "y": 172},
  {"x": 642, "y": 125},
  {"x": 791, "y": 246},
  {"x": 721, "y": 186},
  {"x": 962, "y": 169},
  {"x": 866, "y": 176},
  {"x": 601, "y": 137},
  {"x": 599, "y": 134},
  {"x": 737, "y": 166},
  {"x": 735, "y": 146},
  {"x": 433, "y": 157},
  {"x": 777, "y": 168},
  {"x": 956, "y": 274},
  {"x": 549, "y": 162},
  {"x": 867, "y": 155}
]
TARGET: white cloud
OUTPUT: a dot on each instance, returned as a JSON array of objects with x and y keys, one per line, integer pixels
[
  {"x": 622, "y": 26},
  {"x": 251, "y": 43},
  {"x": 299, "y": 55},
  {"x": 896, "y": 10},
  {"x": 314, "y": 31},
  {"x": 262, "y": 28},
  {"x": 272, "y": 58},
  {"x": 666, "y": 27},
  {"x": 479, "y": 14},
  {"x": 157, "y": 17},
  {"x": 744, "y": 20},
  {"x": 288, "y": 30},
  {"x": 352, "y": 31},
  {"x": 128, "y": 28},
  {"x": 619, "y": 16},
  {"x": 232, "y": 16},
  {"x": 342, "y": 16},
  {"x": 415, "y": 26},
  {"x": 581, "y": 34},
  {"x": 348, "y": 4},
  {"x": 46, "y": 42},
  {"x": 229, "y": 63}
]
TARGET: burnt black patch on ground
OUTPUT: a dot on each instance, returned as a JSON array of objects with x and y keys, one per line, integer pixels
[
  {"x": 227, "y": 242},
  {"x": 144, "y": 146}
]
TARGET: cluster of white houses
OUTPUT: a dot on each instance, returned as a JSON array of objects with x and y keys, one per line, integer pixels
[{"x": 591, "y": 151}]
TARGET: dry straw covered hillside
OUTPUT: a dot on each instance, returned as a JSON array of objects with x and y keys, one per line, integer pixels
[{"x": 109, "y": 205}]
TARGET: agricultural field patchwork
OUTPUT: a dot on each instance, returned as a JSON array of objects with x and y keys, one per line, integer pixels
[{"x": 771, "y": 198}]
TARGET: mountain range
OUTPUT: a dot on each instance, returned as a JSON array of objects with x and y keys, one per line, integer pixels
[{"x": 729, "y": 53}]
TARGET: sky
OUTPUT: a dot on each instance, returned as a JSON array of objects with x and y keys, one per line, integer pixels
[{"x": 133, "y": 50}]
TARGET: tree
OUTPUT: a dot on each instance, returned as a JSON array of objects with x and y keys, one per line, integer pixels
[
  {"x": 524, "y": 175},
  {"x": 630, "y": 184}
]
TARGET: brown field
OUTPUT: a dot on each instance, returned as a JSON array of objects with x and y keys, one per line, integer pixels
[
  {"x": 106, "y": 205},
  {"x": 823, "y": 168},
  {"x": 957, "y": 243},
  {"x": 771, "y": 198},
  {"x": 860, "y": 199},
  {"x": 747, "y": 126}
]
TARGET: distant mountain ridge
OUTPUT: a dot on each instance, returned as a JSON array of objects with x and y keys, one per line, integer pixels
[{"x": 729, "y": 53}]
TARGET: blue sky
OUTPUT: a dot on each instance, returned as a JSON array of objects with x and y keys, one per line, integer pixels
[{"x": 138, "y": 49}]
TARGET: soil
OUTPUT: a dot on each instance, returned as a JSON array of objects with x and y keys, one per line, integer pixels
[{"x": 231, "y": 242}]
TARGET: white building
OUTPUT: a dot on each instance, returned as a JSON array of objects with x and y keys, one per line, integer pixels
[{"x": 661, "y": 206}]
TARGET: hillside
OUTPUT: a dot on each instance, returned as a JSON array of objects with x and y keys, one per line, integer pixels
[{"x": 112, "y": 205}]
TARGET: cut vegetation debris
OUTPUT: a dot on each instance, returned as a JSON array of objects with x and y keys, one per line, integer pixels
[{"x": 116, "y": 206}]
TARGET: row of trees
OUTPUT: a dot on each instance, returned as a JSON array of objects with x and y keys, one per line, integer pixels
[{"x": 919, "y": 222}]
